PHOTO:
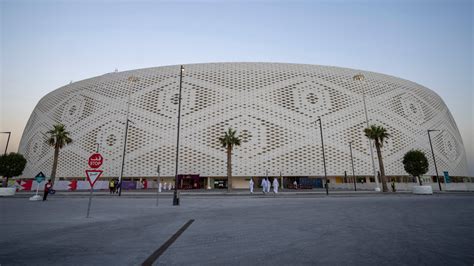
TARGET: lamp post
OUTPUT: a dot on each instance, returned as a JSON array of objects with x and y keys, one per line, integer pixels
[
  {"x": 131, "y": 79},
  {"x": 175, "y": 194},
  {"x": 352, "y": 162},
  {"x": 324, "y": 157},
  {"x": 360, "y": 77},
  {"x": 8, "y": 140},
  {"x": 158, "y": 185},
  {"x": 281, "y": 180},
  {"x": 97, "y": 147},
  {"x": 434, "y": 159}
]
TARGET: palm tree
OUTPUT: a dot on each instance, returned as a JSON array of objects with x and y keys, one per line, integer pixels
[
  {"x": 378, "y": 134},
  {"x": 58, "y": 138},
  {"x": 229, "y": 141}
]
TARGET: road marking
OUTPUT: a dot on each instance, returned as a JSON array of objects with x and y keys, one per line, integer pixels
[{"x": 153, "y": 257}]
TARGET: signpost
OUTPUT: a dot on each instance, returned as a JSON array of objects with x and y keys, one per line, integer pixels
[
  {"x": 40, "y": 177},
  {"x": 92, "y": 176},
  {"x": 95, "y": 161}
]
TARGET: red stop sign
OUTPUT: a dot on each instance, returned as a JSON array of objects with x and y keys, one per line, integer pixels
[{"x": 96, "y": 160}]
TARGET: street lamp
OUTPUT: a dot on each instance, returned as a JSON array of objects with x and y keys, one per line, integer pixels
[
  {"x": 352, "y": 162},
  {"x": 131, "y": 80},
  {"x": 175, "y": 194},
  {"x": 8, "y": 140},
  {"x": 324, "y": 157},
  {"x": 360, "y": 77},
  {"x": 434, "y": 159},
  {"x": 158, "y": 185}
]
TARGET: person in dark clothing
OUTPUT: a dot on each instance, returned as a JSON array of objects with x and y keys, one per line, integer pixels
[
  {"x": 47, "y": 188},
  {"x": 116, "y": 183},
  {"x": 119, "y": 186}
]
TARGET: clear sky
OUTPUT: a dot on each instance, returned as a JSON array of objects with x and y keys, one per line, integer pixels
[{"x": 46, "y": 44}]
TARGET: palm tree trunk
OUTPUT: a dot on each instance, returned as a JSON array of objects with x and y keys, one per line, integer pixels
[
  {"x": 382, "y": 169},
  {"x": 229, "y": 169},
  {"x": 55, "y": 164}
]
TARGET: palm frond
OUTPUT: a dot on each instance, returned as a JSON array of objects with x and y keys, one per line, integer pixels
[
  {"x": 58, "y": 136},
  {"x": 377, "y": 133},
  {"x": 230, "y": 139}
]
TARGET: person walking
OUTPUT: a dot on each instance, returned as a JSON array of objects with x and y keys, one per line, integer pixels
[
  {"x": 275, "y": 185},
  {"x": 269, "y": 184},
  {"x": 119, "y": 186},
  {"x": 47, "y": 188},
  {"x": 264, "y": 185},
  {"x": 111, "y": 186},
  {"x": 251, "y": 185}
]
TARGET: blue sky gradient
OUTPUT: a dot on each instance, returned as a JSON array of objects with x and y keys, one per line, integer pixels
[{"x": 46, "y": 44}]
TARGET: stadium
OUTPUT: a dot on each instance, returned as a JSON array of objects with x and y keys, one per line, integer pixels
[{"x": 273, "y": 106}]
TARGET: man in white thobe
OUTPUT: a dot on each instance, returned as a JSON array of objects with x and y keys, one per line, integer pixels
[
  {"x": 264, "y": 185},
  {"x": 251, "y": 185},
  {"x": 275, "y": 185},
  {"x": 164, "y": 186},
  {"x": 160, "y": 186},
  {"x": 269, "y": 184}
]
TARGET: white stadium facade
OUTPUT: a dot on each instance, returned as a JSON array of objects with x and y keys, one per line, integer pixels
[{"x": 273, "y": 107}]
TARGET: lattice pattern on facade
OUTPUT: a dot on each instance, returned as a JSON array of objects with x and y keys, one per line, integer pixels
[{"x": 273, "y": 107}]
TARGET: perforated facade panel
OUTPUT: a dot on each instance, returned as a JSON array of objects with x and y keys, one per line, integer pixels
[{"x": 272, "y": 106}]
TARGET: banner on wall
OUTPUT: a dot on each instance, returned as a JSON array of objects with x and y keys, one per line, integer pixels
[
  {"x": 129, "y": 185},
  {"x": 76, "y": 185},
  {"x": 72, "y": 185}
]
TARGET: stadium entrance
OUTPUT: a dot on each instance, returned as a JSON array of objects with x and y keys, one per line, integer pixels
[{"x": 191, "y": 182}]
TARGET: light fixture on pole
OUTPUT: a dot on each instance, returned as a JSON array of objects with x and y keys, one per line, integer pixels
[
  {"x": 131, "y": 80},
  {"x": 175, "y": 194},
  {"x": 8, "y": 140},
  {"x": 434, "y": 159},
  {"x": 326, "y": 185},
  {"x": 361, "y": 78},
  {"x": 352, "y": 162}
]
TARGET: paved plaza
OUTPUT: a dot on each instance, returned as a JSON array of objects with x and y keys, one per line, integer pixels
[{"x": 394, "y": 229}]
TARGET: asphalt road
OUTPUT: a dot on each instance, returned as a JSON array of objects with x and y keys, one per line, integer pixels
[{"x": 344, "y": 230}]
